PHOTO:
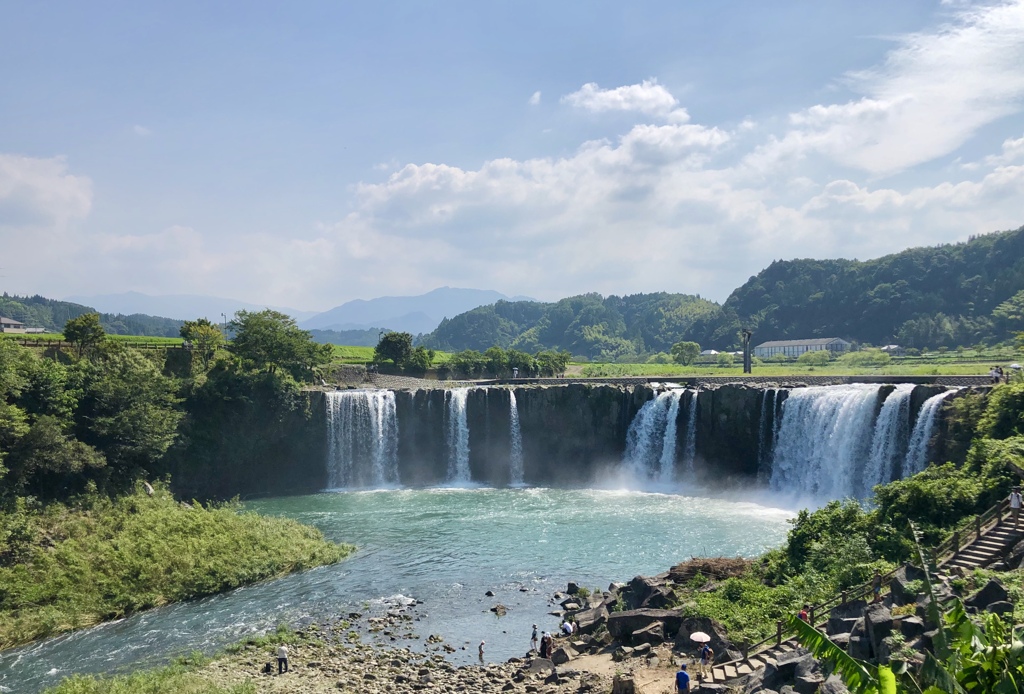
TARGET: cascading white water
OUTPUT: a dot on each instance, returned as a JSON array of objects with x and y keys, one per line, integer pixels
[
  {"x": 690, "y": 450},
  {"x": 917, "y": 450},
  {"x": 889, "y": 440},
  {"x": 767, "y": 427},
  {"x": 362, "y": 446},
  {"x": 667, "y": 463},
  {"x": 823, "y": 440},
  {"x": 651, "y": 438},
  {"x": 515, "y": 464},
  {"x": 457, "y": 435}
]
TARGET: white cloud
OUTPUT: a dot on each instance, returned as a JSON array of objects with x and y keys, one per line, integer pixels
[
  {"x": 932, "y": 93},
  {"x": 648, "y": 97},
  {"x": 535, "y": 99},
  {"x": 142, "y": 131}
]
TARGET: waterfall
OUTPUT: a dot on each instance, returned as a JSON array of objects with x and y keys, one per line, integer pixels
[
  {"x": 917, "y": 450},
  {"x": 889, "y": 440},
  {"x": 767, "y": 428},
  {"x": 823, "y": 440},
  {"x": 667, "y": 464},
  {"x": 362, "y": 445},
  {"x": 515, "y": 463},
  {"x": 651, "y": 438},
  {"x": 457, "y": 435},
  {"x": 690, "y": 452}
]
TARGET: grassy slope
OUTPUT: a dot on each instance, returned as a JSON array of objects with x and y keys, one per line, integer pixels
[{"x": 66, "y": 568}]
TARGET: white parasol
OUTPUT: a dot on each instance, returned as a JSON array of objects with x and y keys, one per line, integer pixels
[{"x": 699, "y": 637}]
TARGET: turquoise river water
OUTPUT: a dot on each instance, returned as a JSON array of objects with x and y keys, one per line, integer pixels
[{"x": 443, "y": 547}]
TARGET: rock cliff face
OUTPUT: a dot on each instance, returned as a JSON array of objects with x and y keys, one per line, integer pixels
[{"x": 570, "y": 434}]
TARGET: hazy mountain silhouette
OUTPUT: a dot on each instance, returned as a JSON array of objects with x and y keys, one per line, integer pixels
[
  {"x": 414, "y": 314},
  {"x": 179, "y": 306}
]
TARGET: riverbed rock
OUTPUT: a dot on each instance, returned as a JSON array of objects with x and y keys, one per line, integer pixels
[
  {"x": 653, "y": 634},
  {"x": 782, "y": 670},
  {"x": 587, "y": 621},
  {"x": 878, "y": 622},
  {"x": 623, "y": 684},
  {"x": 563, "y": 655},
  {"x": 623, "y": 624},
  {"x": 901, "y": 580}
]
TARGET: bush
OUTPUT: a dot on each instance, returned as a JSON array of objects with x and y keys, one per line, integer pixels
[{"x": 816, "y": 358}]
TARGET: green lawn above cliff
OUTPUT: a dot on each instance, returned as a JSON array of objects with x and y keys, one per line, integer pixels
[{"x": 66, "y": 566}]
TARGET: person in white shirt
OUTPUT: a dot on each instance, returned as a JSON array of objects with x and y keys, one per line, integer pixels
[
  {"x": 282, "y": 659},
  {"x": 1015, "y": 503}
]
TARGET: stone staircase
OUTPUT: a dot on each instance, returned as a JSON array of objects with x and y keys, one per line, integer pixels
[
  {"x": 990, "y": 539},
  {"x": 987, "y": 547}
]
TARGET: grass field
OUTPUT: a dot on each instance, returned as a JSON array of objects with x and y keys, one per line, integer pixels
[{"x": 52, "y": 337}]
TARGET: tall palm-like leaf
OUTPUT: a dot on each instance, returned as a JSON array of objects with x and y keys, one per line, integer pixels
[{"x": 858, "y": 676}]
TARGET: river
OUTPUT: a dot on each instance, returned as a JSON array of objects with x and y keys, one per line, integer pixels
[{"x": 443, "y": 547}]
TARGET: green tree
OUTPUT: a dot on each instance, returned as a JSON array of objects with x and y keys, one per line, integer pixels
[
  {"x": 268, "y": 340},
  {"x": 420, "y": 359},
  {"x": 85, "y": 332},
  {"x": 394, "y": 346},
  {"x": 725, "y": 359},
  {"x": 815, "y": 358},
  {"x": 497, "y": 361},
  {"x": 685, "y": 352},
  {"x": 552, "y": 363},
  {"x": 128, "y": 412},
  {"x": 204, "y": 337}
]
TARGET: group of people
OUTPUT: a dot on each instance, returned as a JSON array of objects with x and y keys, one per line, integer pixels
[
  {"x": 997, "y": 375},
  {"x": 705, "y": 659}
]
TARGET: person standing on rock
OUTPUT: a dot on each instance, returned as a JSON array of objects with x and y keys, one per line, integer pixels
[
  {"x": 876, "y": 586},
  {"x": 533, "y": 639},
  {"x": 545, "y": 645},
  {"x": 1015, "y": 504},
  {"x": 682, "y": 680},
  {"x": 282, "y": 659}
]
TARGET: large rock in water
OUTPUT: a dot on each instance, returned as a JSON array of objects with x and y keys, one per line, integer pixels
[{"x": 622, "y": 624}]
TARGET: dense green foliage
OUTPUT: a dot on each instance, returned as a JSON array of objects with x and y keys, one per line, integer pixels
[
  {"x": 50, "y": 314},
  {"x": 947, "y": 295},
  {"x": 268, "y": 340},
  {"x": 499, "y": 363},
  {"x": 64, "y": 566},
  {"x": 606, "y": 329},
  {"x": 395, "y": 347},
  {"x": 178, "y": 678},
  {"x": 952, "y": 294}
]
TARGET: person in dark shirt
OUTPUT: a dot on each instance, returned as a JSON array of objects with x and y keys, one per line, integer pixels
[{"x": 682, "y": 680}]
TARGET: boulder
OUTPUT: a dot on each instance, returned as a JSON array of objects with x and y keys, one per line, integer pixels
[
  {"x": 807, "y": 684},
  {"x": 622, "y": 652},
  {"x": 540, "y": 665},
  {"x": 841, "y": 640},
  {"x": 898, "y": 587},
  {"x": 661, "y": 597},
  {"x": 719, "y": 643},
  {"x": 563, "y": 655},
  {"x": 622, "y": 624},
  {"x": 642, "y": 649},
  {"x": 573, "y": 588},
  {"x": 878, "y": 621},
  {"x": 911, "y": 627},
  {"x": 623, "y": 684},
  {"x": 853, "y": 608},
  {"x": 859, "y": 647},
  {"x": 653, "y": 634},
  {"x": 991, "y": 592},
  {"x": 782, "y": 670},
  {"x": 588, "y": 621},
  {"x": 709, "y": 688},
  {"x": 840, "y": 625},
  {"x": 1001, "y": 607},
  {"x": 641, "y": 588},
  {"x": 833, "y": 685}
]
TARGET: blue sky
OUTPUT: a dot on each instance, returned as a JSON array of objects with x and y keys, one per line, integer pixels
[{"x": 305, "y": 154}]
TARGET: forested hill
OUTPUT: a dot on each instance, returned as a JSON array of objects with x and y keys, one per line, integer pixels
[
  {"x": 589, "y": 325},
  {"x": 50, "y": 314},
  {"x": 940, "y": 296},
  {"x": 936, "y": 296}
]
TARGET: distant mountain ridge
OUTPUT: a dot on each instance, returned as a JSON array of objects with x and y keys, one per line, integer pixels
[
  {"x": 412, "y": 314},
  {"x": 179, "y": 306},
  {"x": 51, "y": 315}
]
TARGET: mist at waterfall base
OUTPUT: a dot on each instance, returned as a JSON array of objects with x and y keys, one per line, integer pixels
[{"x": 445, "y": 547}]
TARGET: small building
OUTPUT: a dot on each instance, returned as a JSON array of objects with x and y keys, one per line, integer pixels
[
  {"x": 9, "y": 325},
  {"x": 894, "y": 350},
  {"x": 794, "y": 348},
  {"x": 709, "y": 353}
]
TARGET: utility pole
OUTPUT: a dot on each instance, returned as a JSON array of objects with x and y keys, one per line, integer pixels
[
  {"x": 747, "y": 361},
  {"x": 225, "y": 325}
]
